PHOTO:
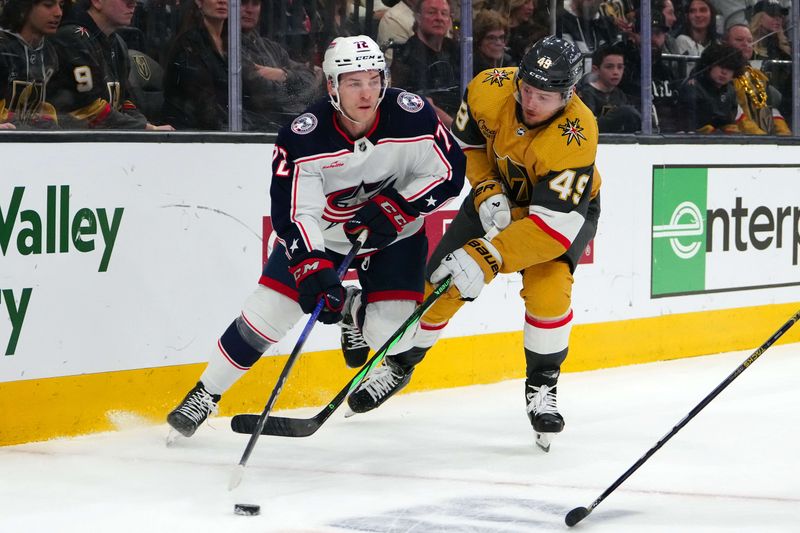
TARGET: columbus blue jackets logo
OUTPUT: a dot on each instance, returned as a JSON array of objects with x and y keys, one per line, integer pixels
[
  {"x": 496, "y": 77},
  {"x": 342, "y": 205},
  {"x": 304, "y": 124},
  {"x": 573, "y": 131},
  {"x": 82, "y": 31},
  {"x": 410, "y": 102}
]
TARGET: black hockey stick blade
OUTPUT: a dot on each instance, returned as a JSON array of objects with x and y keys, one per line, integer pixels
[
  {"x": 579, "y": 513},
  {"x": 304, "y": 427},
  {"x": 576, "y": 515}
]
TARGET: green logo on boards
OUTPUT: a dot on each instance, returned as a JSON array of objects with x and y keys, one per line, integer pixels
[{"x": 678, "y": 261}]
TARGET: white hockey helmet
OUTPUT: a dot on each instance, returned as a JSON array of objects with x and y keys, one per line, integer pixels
[{"x": 353, "y": 54}]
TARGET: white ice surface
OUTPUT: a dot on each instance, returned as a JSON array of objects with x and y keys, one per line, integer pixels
[{"x": 460, "y": 460}]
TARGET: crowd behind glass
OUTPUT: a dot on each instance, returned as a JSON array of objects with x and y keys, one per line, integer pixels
[{"x": 717, "y": 66}]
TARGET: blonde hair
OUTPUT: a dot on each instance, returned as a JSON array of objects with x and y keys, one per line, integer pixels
[{"x": 761, "y": 36}]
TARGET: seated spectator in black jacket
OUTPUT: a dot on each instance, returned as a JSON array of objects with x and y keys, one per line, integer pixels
[
  {"x": 276, "y": 87},
  {"x": 196, "y": 73},
  {"x": 490, "y": 31},
  {"x": 526, "y": 26},
  {"x": 90, "y": 89},
  {"x": 429, "y": 63},
  {"x": 664, "y": 82},
  {"x": 600, "y": 91},
  {"x": 583, "y": 23},
  {"x": 27, "y": 61},
  {"x": 707, "y": 100}
]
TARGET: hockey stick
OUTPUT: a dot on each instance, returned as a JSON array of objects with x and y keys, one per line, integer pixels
[
  {"x": 238, "y": 471},
  {"x": 303, "y": 427},
  {"x": 579, "y": 513}
]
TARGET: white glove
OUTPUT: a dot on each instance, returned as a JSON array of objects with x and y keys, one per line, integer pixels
[
  {"x": 495, "y": 212},
  {"x": 471, "y": 267}
]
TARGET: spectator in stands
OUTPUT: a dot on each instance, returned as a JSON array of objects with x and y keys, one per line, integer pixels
[
  {"x": 396, "y": 27},
  {"x": 664, "y": 80},
  {"x": 490, "y": 31},
  {"x": 196, "y": 73},
  {"x": 27, "y": 60},
  {"x": 770, "y": 43},
  {"x": 600, "y": 91},
  {"x": 525, "y": 28},
  {"x": 707, "y": 100},
  {"x": 756, "y": 96},
  {"x": 582, "y": 23},
  {"x": 667, "y": 8},
  {"x": 90, "y": 89},
  {"x": 429, "y": 63},
  {"x": 766, "y": 25},
  {"x": 699, "y": 28},
  {"x": 276, "y": 88}
]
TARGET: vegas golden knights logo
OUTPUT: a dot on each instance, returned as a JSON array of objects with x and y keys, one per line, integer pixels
[
  {"x": 26, "y": 99},
  {"x": 516, "y": 179},
  {"x": 142, "y": 67}
]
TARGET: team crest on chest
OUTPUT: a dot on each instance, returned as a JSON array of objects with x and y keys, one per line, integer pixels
[
  {"x": 496, "y": 77},
  {"x": 410, "y": 102},
  {"x": 573, "y": 131},
  {"x": 304, "y": 124}
]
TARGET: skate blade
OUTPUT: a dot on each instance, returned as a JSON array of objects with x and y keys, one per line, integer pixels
[
  {"x": 349, "y": 412},
  {"x": 543, "y": 440},
  {"x": 173, "y": 437}
]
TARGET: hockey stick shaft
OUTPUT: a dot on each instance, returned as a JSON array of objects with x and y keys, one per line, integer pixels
[
  {"x": 304, "y": 427},
  {"x": 579, "y": 513},
  {"x": 236, "y": 477}
]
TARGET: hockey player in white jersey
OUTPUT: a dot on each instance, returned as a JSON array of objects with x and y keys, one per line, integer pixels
[{"x": 369, "y": 158}]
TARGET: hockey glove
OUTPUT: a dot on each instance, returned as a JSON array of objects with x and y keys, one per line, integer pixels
[
  {"x": 492, "y": 205},
  {"x": 471, "y": 267},
  {"x": 316, "y": 278},
  {"x": 384, "y": 216}
]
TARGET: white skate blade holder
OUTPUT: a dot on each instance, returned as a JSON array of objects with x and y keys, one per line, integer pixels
[{"x": 543, "y": 440}]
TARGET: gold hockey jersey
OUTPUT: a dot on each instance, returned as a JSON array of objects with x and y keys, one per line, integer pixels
[{"x": 547, "y": 172}]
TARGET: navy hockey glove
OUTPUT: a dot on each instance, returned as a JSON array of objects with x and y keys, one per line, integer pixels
[
  {"x": 384, "y": 216},
  {"x": 316, "y": 278}
]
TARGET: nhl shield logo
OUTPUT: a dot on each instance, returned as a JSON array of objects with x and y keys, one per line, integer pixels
[
  {"x": 304, "y": 124},
  {"x": 410, "y": 102}
]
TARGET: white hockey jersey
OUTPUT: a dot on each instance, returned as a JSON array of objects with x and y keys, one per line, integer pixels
[{"x": 321, "y": 177}]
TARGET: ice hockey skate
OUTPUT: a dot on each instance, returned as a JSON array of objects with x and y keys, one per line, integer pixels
[
  {"x": 379, "y": 385},
  {"x": 354, "y": 347},
  {"x": 540, "y": 393},
  {"x": 198, "y": 405}
]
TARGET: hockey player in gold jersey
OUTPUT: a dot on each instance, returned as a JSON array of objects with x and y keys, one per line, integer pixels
[{"x": 530, "y": 144}]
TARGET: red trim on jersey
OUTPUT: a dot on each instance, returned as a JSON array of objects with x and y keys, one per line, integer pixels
[
  {"x": 382, "y": 296},
  {"x": 279, "y": 287},
  {"x": 260, "y": 333},
  {"x": 427, "y": 137},
  {"x": 548, "y": 324},
  {"x": 321, "y": 156},
  {"x": 562, "y": 240},
  {"x": 101, "y": 115},
  {"x": 345, "y": 134},
  {"x": 432, "y": 327},
  {"x": 228, "y": 357}
]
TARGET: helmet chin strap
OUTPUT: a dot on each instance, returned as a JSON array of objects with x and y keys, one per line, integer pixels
[{"x": 334, "y": 97}]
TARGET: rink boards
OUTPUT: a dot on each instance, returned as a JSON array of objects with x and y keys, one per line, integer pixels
[{"x": 116, "y": 277}]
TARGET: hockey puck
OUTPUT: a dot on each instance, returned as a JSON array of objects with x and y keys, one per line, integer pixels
[{"x": 247, "y": 509}]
